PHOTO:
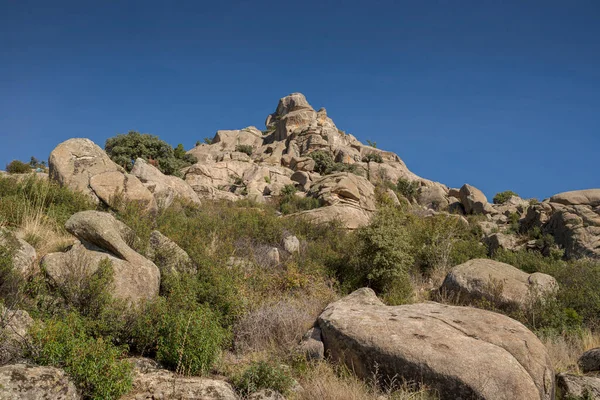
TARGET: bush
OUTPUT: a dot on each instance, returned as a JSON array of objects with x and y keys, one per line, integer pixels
[
  {"x": 190, "y": 341},
  {"x": 382, "y": 257},
  {"x": 408, "y": 189},
  {"x": 291, "y": 203},
  {"x": 503, "y": 197},
  {"x": 373, "y": 157},
  {"x": 124, "y": 149},
  {"x": 244, "y": 148},
  {"x": 263, "y": 375},
  {"x": 94, "y": 364},
  {"x": 325, "y": 164},
  {"x": 17, "y": 167}
]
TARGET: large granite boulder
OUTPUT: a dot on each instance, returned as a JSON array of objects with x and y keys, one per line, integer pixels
[
  {"x": 74, "y": 162},
  {"x": 83, "y": 166},
  {"x": 349, "y": 217},
  {"x": 165, "y": 188},
  {"x": 152, "y": 382},
  {"x": 114, "y": 186},
  {"x": 503, "y": 284},
  {"x": 473, "y": 200},
  {"x": 102, "y": 237},
  {"x": 27, "y": 382},
  {"x": 345, "y": 189},
  {"x": 462, "y": 352}
]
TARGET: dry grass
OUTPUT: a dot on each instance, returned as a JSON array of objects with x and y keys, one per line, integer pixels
[
  {"x": 326, "y": 382},
  {"x": 564, "y": 351},
  {"x": 42, "y": 233},
  {"x": 277, "y": 326}
]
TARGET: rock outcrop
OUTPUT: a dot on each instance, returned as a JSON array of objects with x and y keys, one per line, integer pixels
[
  {"x": 82, "y": 165},
  {"x": 165, "y": 188},
  {"x": 103, "y": 237},
  {"x": 151, "y": 382},
  {"x": 572, "y": 218},
  {"x": 26, "y": 382},
  {"x": 503, "y": 284},
  {"x": 462, "y": 352}
]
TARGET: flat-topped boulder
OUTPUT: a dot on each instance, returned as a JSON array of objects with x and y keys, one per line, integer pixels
[{"x": 462, "y": 352}]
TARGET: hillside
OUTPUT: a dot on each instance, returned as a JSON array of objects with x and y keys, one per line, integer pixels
[{"x": 291, "y": 262}]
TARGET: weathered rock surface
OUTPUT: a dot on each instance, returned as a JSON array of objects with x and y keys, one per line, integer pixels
[
  {"x": 266, "y": 394},
  {"x": 575, "y": 387},
  {"x": 344, "y": 189},
  {"x": 113, "y": 186},
  {"x": 102, "y": 236},
  {"x": 464, "y": 353},
  {"x": 165, "y": 188},
  {"x": 473, "y": 200},
  {"x": 150, "y": 382},
  {"x": 311, "y": 345},
  {"x": 14, "y": 326},
  {"x": 349, "y": 217},
  {"x": 74, "y": 162},
  {"x": 590, "y": 360},
  {"x": 501, "y": 283},
  {"x": 24, "y": 255},
  {"x": 168, "y": 256},
  {"x": 26, "y": 382},
  {"x": 82, "y": 165},
  {"x": 572, "y": 218},
  {"x": 291, "y": 244}
]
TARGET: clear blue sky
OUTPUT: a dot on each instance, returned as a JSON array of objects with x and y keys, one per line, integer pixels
[{"x": 499, "y": 94}]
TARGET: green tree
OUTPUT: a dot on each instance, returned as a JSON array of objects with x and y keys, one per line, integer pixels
[
  {"x": 124, "y": 149},
  {"x": 17, "y": 167}
]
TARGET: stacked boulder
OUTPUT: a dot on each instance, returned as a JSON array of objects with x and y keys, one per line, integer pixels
[{"x": 103, "y": 237}]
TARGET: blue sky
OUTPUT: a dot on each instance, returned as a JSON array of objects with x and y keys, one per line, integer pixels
[{"x": 499, "y": 94}]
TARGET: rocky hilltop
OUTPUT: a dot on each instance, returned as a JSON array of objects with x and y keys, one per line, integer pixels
[{"x": 118, "y": 281}]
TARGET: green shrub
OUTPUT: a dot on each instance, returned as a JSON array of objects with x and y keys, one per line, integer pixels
[
  {"x": 17, "y": 167},
  {"x": 503, "y": 197},
  {"x": 324, "y": 162},
  {"x": 94, "y": 364},
  {"x": 263, "y": 375},
  {"x": 190, "y": 341},
  {"x": 244, "y": 148},
  {"x": 88, "y": 295},
  {"x": 291, "y": 203},
  {"x": 408, "y": 189},
  {"x": 288, "y": 190},
  {"x": 373, "y": 157},
  {"x": 382, "y": 255},
  {"x": 124, "y": 149}
]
